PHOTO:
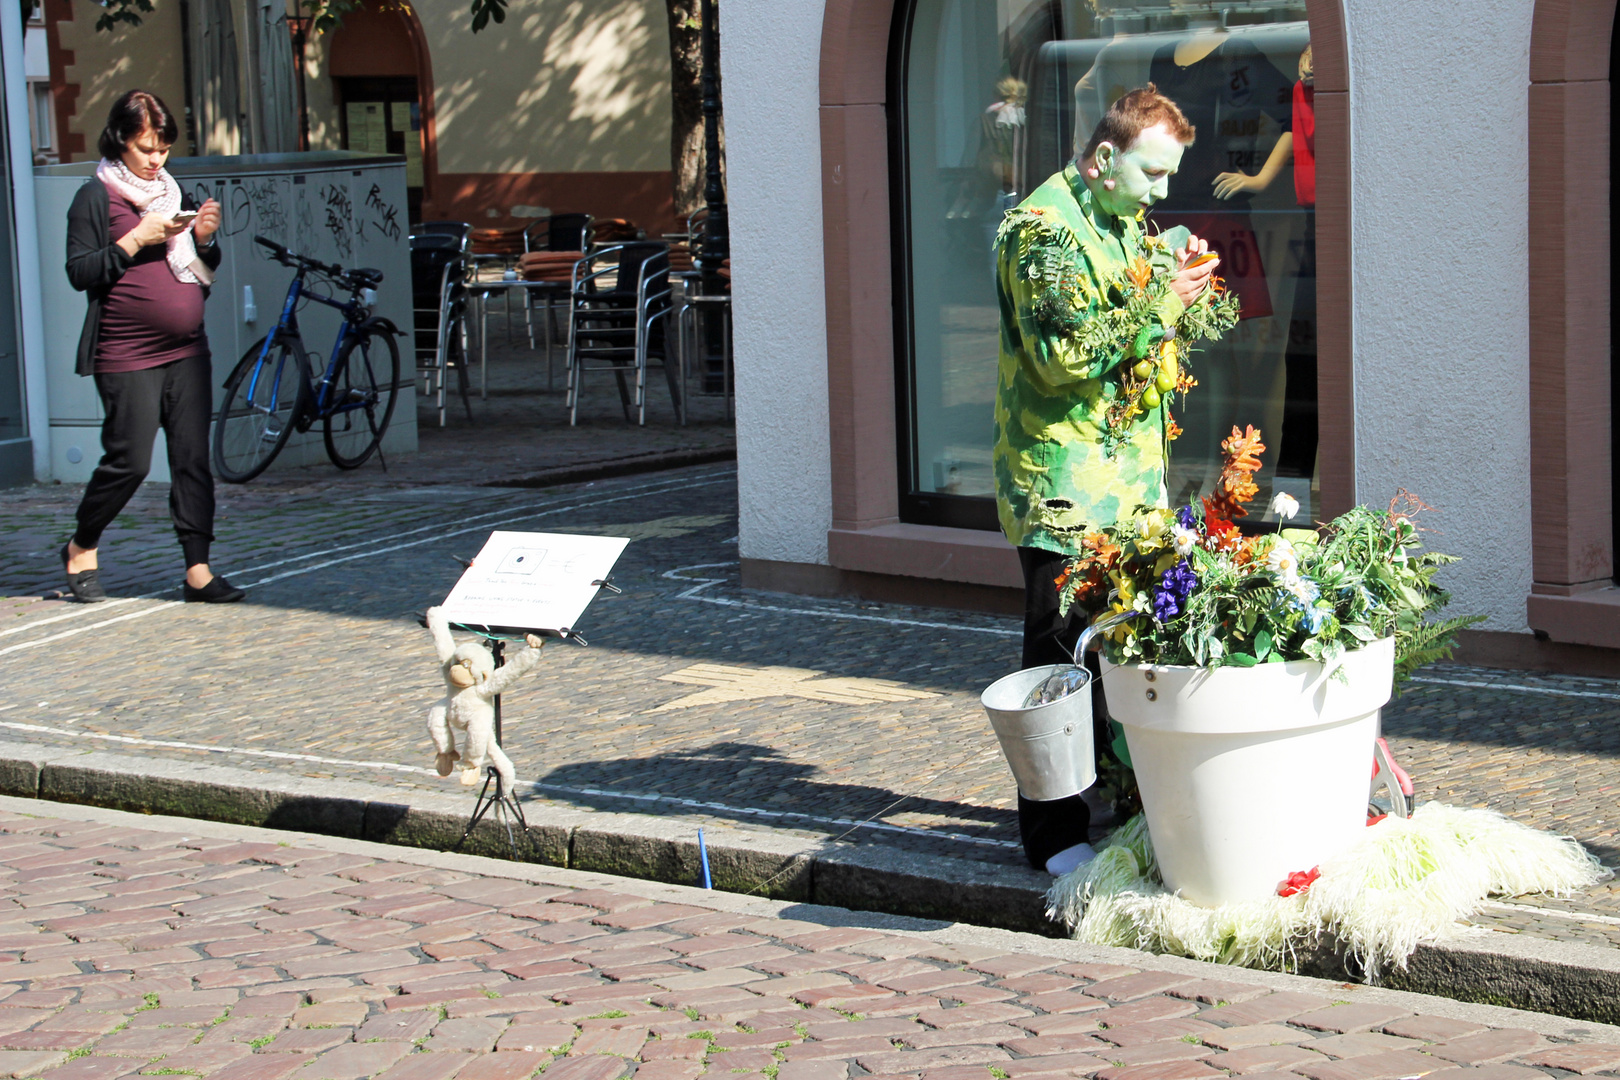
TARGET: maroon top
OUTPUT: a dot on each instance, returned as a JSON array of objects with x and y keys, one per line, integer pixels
[{"x": 150, "y": 317}]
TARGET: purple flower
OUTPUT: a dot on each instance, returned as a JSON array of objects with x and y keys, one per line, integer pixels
[
  {"x": 1187, "y": 518},
  {"x": 1170, "y": 596}
]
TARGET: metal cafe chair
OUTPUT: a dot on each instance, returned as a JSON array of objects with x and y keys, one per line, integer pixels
[
  {"x": 550, "y": 250},
  {"x": 439, "y": 302},
  {"x": 618, "y": 327}
]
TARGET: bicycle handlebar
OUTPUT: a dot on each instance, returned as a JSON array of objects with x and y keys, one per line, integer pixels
[{"x": 288, "y": 258}]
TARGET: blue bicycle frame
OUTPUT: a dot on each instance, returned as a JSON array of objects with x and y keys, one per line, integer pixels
[{"x": 353, "y": 312}]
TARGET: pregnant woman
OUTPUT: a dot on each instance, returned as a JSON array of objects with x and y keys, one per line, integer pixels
[{"x": 146, "y": 256}]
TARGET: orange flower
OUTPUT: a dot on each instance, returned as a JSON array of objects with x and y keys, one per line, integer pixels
[
  {"x": 1140, "y": 273},
  {"x": 1245, "y": 550},
  {"x": 1236, "y": 485},
  {"x": 1101, "y": 550}
]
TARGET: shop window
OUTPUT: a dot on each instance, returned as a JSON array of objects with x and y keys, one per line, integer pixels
[
  {"x": 384, "y": 116},
  {"x": 991, "y": 97}
]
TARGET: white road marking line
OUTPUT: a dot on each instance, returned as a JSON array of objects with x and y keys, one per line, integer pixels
[
  {"x": 1516, "y": 688},
  {"x": 647, "y": 488},
  {"x": 653, "y": 488},
  {"x": 681, "y": 573},
  {"x": 79, "y": 611},
  {"x": 85, "y": 629},
  {"x": 440, "y": 534},
  {"x": 678, "y": 574},
  {"x": 533, "y": 785}
]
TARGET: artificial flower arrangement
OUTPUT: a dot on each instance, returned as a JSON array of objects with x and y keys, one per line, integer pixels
[
  {"x": 1209, "y": 596},
  {"x": 1151, "y": 367}
]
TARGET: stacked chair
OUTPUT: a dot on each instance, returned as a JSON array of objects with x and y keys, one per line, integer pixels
[
  {"x": 439, "y": 269},
  {"x": 619, "y": 304}
]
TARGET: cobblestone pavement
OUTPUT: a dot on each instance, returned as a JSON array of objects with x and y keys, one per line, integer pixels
[
  {"x": 697, "y": 700},
  {"x": 131, "y": 950}
]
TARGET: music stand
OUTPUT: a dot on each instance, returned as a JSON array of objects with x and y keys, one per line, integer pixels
[{"x": 521, "y": 584}]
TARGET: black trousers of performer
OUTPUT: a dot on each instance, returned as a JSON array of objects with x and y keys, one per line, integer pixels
[
  {"x": 1047, "y": 828},
  {"x": 177, "y": 398}
]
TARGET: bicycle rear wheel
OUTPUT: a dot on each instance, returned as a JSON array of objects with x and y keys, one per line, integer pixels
[
  {"x": 263, "y": 401},
  {"x": 362, "y": 398}
]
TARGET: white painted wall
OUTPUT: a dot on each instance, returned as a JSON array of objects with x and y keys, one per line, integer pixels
[
  {"x": 1439, "y": 104},
  {"x": 771, "y": 66}
]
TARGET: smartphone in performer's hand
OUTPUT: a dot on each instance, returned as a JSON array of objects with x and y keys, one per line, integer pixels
[{"x": 184, "y": 217}]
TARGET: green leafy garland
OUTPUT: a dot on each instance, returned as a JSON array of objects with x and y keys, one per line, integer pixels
[{"x": 1127, "y": 325}]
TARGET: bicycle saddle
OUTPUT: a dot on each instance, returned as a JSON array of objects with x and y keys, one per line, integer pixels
[{"x": 366, "y": 277}]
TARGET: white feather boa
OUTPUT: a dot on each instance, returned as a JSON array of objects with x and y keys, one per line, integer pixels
[{"x": 1405, "y": 882}]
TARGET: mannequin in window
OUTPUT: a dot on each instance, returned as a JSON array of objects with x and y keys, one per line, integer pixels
[
  {"x": 1229, "y": 87},
  {"x": 1232, "y": 93},
  {"x": 1296, "y": 454}
]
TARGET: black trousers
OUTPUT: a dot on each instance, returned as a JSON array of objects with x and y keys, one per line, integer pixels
[
  {"x": 178, "y": 398},
  {"x": 1047, "y": 828}
]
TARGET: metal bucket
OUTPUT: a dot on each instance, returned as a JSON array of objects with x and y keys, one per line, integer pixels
[{"x": 1048, "y": 747}]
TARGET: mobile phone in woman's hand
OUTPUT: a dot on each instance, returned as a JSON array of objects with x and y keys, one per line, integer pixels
[{"x": 184, "y": 217}]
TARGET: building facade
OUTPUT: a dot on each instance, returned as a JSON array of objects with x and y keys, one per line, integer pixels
[
  {"x": 563, "y": 107},
  {"x": 1411, "y": 201}
]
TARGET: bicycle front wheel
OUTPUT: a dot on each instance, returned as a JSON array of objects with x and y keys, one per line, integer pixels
[
  {"x": 361, "y": 398},
  {"x": 263, "y": 399}
]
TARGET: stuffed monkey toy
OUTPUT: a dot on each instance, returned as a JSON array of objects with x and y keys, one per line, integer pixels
[{"x": 471, "y": 681}]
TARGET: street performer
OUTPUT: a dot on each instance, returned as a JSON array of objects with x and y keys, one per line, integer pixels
[{"x": 1095, "y": 315}]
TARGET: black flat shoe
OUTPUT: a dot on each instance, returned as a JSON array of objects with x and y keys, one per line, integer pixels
[
  {"x": 85, "y": 585},
  {"x": 217, "y": 591}
]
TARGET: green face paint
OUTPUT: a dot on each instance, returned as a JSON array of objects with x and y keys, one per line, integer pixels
[{"x": 1141, "y": 174}]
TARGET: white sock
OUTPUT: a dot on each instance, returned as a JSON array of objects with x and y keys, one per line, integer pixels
[{"x": 1069, "y": 858}]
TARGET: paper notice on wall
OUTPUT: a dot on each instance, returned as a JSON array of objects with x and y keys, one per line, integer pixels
[
  {"x": 368, "y": 127},
  {"x": 532, "y": 581},
  {"x": 404, "y": 119}
]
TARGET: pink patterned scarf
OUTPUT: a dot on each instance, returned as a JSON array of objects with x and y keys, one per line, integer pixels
[{"x": 160, "y": 195}]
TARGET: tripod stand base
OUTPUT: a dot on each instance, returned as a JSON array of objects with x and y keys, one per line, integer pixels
[{"x": 506, "y": 808}]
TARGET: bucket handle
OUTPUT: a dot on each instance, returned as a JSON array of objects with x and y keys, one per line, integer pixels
[{"x": 1102, "y": 626}]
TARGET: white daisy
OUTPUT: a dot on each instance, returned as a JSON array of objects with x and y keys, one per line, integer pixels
[
  {"x": 1284, "y": 505},
  {"x": 1283, "y": 561},
  {"x": 1186, "y": 539}
]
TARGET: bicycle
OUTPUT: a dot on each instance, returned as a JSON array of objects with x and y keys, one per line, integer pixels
[{"x": 271, "y": 392}]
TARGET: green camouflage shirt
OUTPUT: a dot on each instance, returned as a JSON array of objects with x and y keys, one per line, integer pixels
[{"x": 1053, "y": 479}]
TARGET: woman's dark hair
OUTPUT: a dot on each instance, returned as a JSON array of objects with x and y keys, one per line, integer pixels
[{"x": 132, "y": 114}]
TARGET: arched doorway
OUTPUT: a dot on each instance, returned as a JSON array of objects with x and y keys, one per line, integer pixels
[
  {"x": 862, "y": 236},
  {"x": 1572, "y": 275},
  {"x": 382, "y": 79}
]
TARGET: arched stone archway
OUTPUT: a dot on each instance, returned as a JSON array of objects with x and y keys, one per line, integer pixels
[
  {"x": 1573, "y": 597},
  {"x": 383, "y": 42},
  {"x": 866, "y": 533}
]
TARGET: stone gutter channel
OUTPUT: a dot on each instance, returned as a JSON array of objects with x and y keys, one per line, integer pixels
[{"x": 1567, "y": 979}]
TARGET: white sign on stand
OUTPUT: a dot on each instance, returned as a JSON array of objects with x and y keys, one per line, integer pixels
[{"x": 532, "y": 581}]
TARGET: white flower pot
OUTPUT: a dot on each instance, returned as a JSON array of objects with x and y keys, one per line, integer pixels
[{"x": 1250, "y": 774}]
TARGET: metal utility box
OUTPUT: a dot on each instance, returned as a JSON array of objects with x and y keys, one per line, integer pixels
[{"x": 338, "y": 206}]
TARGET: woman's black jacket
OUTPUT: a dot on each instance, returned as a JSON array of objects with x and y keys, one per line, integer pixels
[{"x": 95, "y": 263}]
